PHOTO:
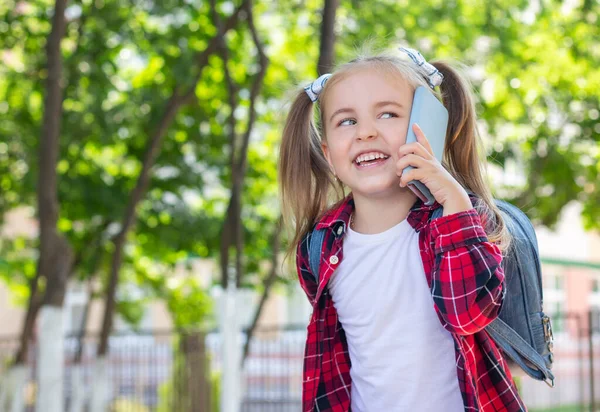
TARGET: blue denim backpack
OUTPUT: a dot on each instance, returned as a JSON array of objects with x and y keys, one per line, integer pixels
[{"x": 521, "y": 330}]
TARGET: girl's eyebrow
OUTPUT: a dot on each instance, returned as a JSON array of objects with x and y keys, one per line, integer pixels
[
  {"x": 389, "y": 102},
  {"x": 342, "y": 110},
  {"x": 377, "y": 105}
]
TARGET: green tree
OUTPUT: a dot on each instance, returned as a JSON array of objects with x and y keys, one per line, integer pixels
[{"x": 207, "y": 186}]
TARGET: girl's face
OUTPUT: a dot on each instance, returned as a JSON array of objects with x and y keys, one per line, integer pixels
[{"x": 366, "y": 120}]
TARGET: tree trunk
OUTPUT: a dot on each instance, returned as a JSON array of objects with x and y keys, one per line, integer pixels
[
  {"x": 56, "y": 256},
  {"x": 226, "y": 240},
  {"x": 238, "y": 231},
  {"x": 84, "y": 320},
  {"x": 77, "y": 403},
  {"x": 33, "y": 307},
  {"x": 51, "y": 360},
  {"x": 269, "y": 281},
  {"x": 196, "y": 379},
  {"x": 47, "y": 183},
  {"x": 101, "y": 389},
  {"x": 11, "y": 391},
  {"x": 77, "y": 378},
  {"x": 326, "y": 50}
]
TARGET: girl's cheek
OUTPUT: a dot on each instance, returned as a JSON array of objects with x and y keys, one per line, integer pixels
[{"x": 337, "y": 151}]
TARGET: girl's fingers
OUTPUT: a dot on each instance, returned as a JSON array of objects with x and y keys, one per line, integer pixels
[
  {"x": 421, "y": 138},
  {"x": 409, "y": 160},
  {"x": 416, "y": 148},
  {"x": 413, "y": 148},
  {"x": 409, "y": 176}
]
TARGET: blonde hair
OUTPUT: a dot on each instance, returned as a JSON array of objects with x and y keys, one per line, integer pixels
[{"x": 308, "y": 188}]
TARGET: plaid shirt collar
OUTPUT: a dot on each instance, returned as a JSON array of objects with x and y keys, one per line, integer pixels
[{"x": 340, "y": 215}]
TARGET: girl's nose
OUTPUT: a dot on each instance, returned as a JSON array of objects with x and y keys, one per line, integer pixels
[{"x": 366, "y": 130}]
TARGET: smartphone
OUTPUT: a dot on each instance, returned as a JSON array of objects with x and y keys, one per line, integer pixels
[{"x": 431, "y": 115}]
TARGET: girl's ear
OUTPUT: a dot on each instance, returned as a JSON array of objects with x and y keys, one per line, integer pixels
[{"x": 328, "y": 156}]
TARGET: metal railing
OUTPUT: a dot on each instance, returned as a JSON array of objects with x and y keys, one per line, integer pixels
[{"x": 165, "y": 371}]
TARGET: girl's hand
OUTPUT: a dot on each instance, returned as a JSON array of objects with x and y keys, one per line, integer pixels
[{"x": 429, "y": 171}]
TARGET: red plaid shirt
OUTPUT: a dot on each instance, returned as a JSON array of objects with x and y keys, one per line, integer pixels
[{"x": 466, "y": 281}]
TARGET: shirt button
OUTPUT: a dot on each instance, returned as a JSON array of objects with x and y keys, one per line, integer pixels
[
  {"x": 340, "y": 230},
  {"x": 334, "y": 260}
]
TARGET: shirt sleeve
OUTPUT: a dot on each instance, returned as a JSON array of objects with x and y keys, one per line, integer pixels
[
  {"x": 307, "y": 280},
  {"x": 467, "y": 279}
]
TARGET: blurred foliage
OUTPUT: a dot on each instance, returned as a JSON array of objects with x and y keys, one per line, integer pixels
[
  {"x": 17, "y": 267},
  {"x": 533, "y": 66},
  {"x": 127, "y": 405}
]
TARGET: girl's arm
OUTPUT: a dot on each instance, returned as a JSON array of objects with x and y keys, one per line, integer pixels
[
  {"x": 467, "y": 282},
  {"x": 467, "y": 279}
]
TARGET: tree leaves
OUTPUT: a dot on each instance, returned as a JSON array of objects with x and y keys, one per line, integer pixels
[{"x": 534, "y": 71}]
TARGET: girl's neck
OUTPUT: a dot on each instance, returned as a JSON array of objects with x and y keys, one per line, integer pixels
[{"x": 376, "y": 215}]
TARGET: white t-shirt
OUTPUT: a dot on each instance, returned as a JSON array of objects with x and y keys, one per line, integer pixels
[{"x": 402, "y": 358}]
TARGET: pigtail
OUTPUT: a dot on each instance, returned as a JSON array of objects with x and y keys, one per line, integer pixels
[
  {"x": 304, "y": 174},
  {"x": 463, "y": 152}
]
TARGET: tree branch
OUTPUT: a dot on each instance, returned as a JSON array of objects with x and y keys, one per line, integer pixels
[
  {"x": 228, "y": 225},
  {"x": 255, "y": 90},
  {"x": 135, "y": 197},
  {"x": 82, "y": 21},
  {"x": 231, "y": 86},
  {"x": 242, "y": 161},
  {"x": 233, "y": 220},
  {"x": 230, "y": 23},
  {"x": 175, "y": 102},
  {"x": 326, "y": 50}
]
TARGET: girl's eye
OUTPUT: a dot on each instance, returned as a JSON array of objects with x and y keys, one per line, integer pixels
[
  {"x": 386, "y": 115},
  {"x": 341, "y": 123}
]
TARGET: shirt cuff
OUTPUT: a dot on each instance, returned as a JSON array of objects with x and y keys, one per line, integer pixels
[{"x": 457, "y": 230}]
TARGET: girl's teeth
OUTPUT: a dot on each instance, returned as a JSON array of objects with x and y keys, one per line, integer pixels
[{"x": 368, "y": 158}]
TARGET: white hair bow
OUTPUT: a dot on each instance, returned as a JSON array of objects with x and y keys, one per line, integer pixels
[
  {"x": 315, "y": 88},
  {"x": 434, "y": 77}
]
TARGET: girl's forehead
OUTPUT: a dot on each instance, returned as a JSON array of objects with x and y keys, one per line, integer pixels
[{"x": 367, "y": 83}]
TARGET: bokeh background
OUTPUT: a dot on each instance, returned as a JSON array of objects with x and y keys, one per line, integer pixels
[{"x": 141, "y": 245}]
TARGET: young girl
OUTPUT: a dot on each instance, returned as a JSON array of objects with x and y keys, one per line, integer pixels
[{"x": 402, "y": 300}]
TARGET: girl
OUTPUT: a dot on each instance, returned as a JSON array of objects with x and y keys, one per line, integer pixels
[{"x": 402, "y": 300}]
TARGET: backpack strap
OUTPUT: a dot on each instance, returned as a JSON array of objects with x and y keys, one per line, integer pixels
[
  {"x": 437, "y": 213},
  {"x": 520, "y": 351},
  {"x": 315, "y": 247}
]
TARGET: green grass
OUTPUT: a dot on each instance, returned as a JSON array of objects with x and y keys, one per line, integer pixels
[{"x": 564, "y": 408}]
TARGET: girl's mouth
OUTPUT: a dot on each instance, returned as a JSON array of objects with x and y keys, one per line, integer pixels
[{"x": 370, "y": 160}]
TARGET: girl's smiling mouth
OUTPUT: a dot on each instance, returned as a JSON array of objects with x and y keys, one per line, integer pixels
[{"x": 370, "y": 159}]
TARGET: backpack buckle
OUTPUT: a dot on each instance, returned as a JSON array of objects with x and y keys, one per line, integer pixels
[{"x": 548, "y": 335}]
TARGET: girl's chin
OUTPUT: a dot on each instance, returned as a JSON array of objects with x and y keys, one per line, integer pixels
[{"x": 379, "y": 190}]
